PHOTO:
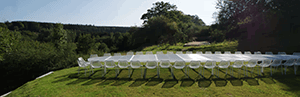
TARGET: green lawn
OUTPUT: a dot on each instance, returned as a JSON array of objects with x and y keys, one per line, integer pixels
[{"x": 67, "y": 82}]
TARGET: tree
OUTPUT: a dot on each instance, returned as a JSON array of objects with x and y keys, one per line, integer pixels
[
  {"x": 160, "y": 8},
  {"x": 59, "y": 36}
]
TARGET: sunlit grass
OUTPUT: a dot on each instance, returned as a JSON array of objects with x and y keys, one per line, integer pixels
[{"x": 67, "y": 82}]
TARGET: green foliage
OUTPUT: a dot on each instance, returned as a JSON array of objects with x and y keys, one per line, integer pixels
[
  {"x": 7, "y": 40},
  {"x": 59, "y": 36},
  {"x": 160, "y": 8},
  {"x": 85, "y": 43}
]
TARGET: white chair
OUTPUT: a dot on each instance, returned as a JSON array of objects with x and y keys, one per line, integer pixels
[
  {"x": 223, "y": 64},
  {"x": 297, "y": 63},
  {"x": 139, "y": 53},
  {"x": 194, "y": 65},
  {"x": 189, "y": 52},
  {"x": 237, "y": 52},
  {"x": 268, "y": 53},
  {"x": 289, "y": 62},
  {"x": 179, "y": 52},
  {"x": 109, "y": 64},
  {"x": 265, "y": 63},
  {"x": 208, "y": 52},
  {"x": 170, "y": 52},
  {"x": 227, "y": 52},
  {"x": 178, "y": 65},
  {"x": 152, "y": 65},
  {"x": 123, "y": 64},
  {"x": 107, "y": 54},
  {"x": 281, "y": 53},
  {"x": 276, "y": 63},
  {"x": 257, "y": 53},
  {"x": 218, "y": 52},
  {"x": 209, "y": 65},
  {"x": 95, "y": 64},
  {"x": 251, "y": 63},
  {"x": 82, "y": 63},
  {"x": 199, "y": 52},
  {"x": 135, "y": 65},
  {"x": 247, "y": 53},
  {"x": 149, "y": 53},
  {"x": 93, "y": 55},
  {"x": 237, "y": 64},
  {"x": 159, "y": 52},
  {"x": 296, "y": 53},
  {"x": 129, "y": 53},
  {"x": 165, "y": 64},
  {"x": 117, "y": 54}
]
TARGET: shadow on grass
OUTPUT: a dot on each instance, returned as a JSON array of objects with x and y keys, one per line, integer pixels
[
  {"x": 187, "y": 82},
  {"x": 138, "y": 82},
  {"x": 169, "y": 83},
  {"x": 235, "y": 81},
  {"x": 77, "y": 81},
  {"x": 251, "y": 81},
  {"x": 120, "y": 81},
  {"x": 107, "y": 81},
  {"x": 94, "y": 81},
  {"x": 154, "y": 81},
  {"x": 220, "y": 82}
]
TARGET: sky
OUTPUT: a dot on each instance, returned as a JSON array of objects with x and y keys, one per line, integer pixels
[{"x": 97, "y": 12}]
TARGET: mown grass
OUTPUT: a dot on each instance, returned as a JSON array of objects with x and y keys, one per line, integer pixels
[{"x": 67, "y": 82}]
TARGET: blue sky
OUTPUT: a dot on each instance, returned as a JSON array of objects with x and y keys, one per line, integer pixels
[{"x": 96, "y": 12}]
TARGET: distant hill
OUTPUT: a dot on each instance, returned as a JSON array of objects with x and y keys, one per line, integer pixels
[{"x": 37, "y": 26}]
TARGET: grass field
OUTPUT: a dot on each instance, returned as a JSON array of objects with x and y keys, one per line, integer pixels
[{"x": 67, "y": 82}]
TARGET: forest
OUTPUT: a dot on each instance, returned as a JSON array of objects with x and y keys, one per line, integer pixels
[{"x": 29, "y": 49}]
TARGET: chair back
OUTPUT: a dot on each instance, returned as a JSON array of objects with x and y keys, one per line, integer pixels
[
  {"x": 159, "y": 52},
  {"x": 297, "y": 62},
  {"x": 170, "y": 52},
  {"x": 189, "y": 52},
  {"x": 123, "y": 63},
  {"x": 199, "y": 52},
  {"x": 129, "y": 53},
  {"x": 238, "y": 63},
  {"x": 135, "y": 64},
  {"x": 117, "y": 54},
  {"x": 247, "y": 53},
  {"x": 179, "y": 64},
  {"x": 109, "y": 63},
  {"x": 224, "y": 64},
  {"x": 289, "y": 62},
  {"x": 210, "y": 64},
  {"x": 268, "y": 53},
  {"x": 252, "y": 62},
  {"x": 276, "y": 62},
  {"x": 296, "y": 53},
  {"x": 179, "y": 52},
  {"x": 139, "y": 53},
  {"x": 194, "y": 64},
  {"x": 266, "y": 62},
  {"x": 107, "y": 54},
  {"x": 93, "y": 55},
  {"x": 208, "y": 52},
  {"x": 165, "y": 63},
  {"x": 81, "y": 62},
  {"x": 227, "y": 52},
  {"x": 151, "y": 64},
  {"x": 237, "y": 52},
  {"x": 218, "y": 52},
  {"x": 281, "y": 53},
  {"x": 257, "y": 53},
  {"x": 149, "y": 53}
]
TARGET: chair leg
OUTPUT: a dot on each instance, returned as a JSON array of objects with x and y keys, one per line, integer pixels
[
  {"x": 281, "y": 70},
  {"x": 78, "y": 69},
  {"x": 271, "y": 70},
  {"x": 172, "y": 73},
  {"x": 129, "y": 72},
  {"x": 295, "y": 69},
  {"x": 158, "y": 71},
  {"x": 285, "y": 70}
]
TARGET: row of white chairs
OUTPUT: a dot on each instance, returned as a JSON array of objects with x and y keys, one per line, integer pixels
[
  {"x": 198, "y": 52},
  {"x": 193, "y": 65}
]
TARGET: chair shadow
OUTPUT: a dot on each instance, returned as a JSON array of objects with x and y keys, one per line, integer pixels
[
  {"x": 187, "y": 82},
  {"x": 107, "y": 81},
  {"x": 67, "y": 77},
  {"x": 267, "y": 80},
  {"x": 234, "y": 81},
  {"x": 204, "y": 82},
  {"x": 120, "y": 81},
  {"x": 154, "y": 81},
  {"x": 77, "y": 81},
  {"x": 220, "y": 82},
  {"x": 138, "y": 82},
  {"x": 251, "y": 81},
  {"x": 94, "y": 81},
  {"x": 169, "y": 83}
]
